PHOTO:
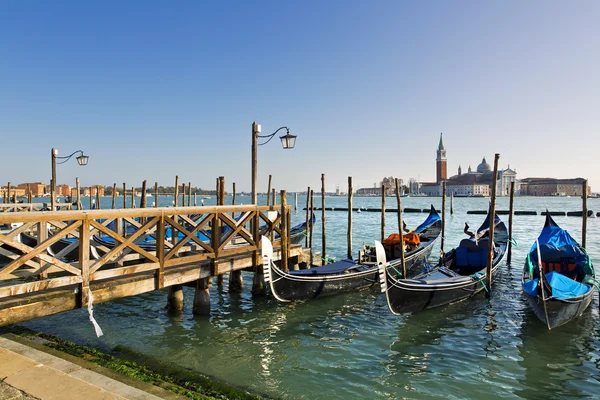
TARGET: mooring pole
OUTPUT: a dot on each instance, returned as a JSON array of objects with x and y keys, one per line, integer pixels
[
  {"x": 324, "y": 237},
  {"x": 510, "y": 222},
  {"x": 274, "y": 202},
  {"x": 155, "y": 194},
  {"x": 98, "y": 197},
  {"x": 382, "y": 212},
  {"x": 350, "y": 217},
  {"x": 284, "y": 237},
  {"x": 490, "y": 262},
  {"x": 310, "y": 238},
  {"x": 176, "y": 195},
  {"x": 584, "y": 214},
  {"x": 295, "y": 201},
  {"x": 143, "y": 199},
  {"x": 124, "y": 195},
  {"x": 443, "y": 221},
  {"x": 400, "y": 229},
  {"x": 189, "y": 194},
  {"x": 452, "y": 203},
  {"x": 114, "y": 194},
  {"x": 269, "y": 191},
  {"x": 307, "y": 217},
  {"x": 133, "y": 197},
  {"x": 78, "y": 193}
]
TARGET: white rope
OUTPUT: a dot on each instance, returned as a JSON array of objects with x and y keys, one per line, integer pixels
[{"x": 91, "y": 312}]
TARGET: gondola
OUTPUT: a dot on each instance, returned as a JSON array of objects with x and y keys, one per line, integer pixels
[
  {"x": 346, "y": 275},
  {"x": 568, "y": 277},
  {"x": 460, "y": 274}
]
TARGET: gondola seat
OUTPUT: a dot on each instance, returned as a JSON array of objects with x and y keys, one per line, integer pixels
[{"x": 470, "y": 256}]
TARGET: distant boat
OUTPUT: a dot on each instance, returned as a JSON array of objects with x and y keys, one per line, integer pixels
[{"x": 206, "y": 197}]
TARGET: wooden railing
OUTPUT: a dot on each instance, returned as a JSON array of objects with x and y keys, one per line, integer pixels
[
  {"x": 56, "y": 249},
  {"x": 24, "y": 207}
]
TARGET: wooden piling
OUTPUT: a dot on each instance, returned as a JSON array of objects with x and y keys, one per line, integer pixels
[
  {"x": 114, "y": 196},
  {"x": 295, "y": 201},
  {"x": 155, "y": 194},
  {"x": 323, "y": 230},
  {"x": 382, "y": 212},
  {"x": 308, "y": 218},
  {"x": 175, "y": 298},
  {"x": 284, "y": 232},
  {"x": 274, "y": 200},
  {"x": 91, "y": 198},
  {"x": 349, "y": 255},
  {"x": 400, "y": 229},
  {"x": 176, "y": 195},
  {"x": 202, "y": 297},
  {"x": 310, "y": 237},
  {"x": 189, "y": 194},
  {"x": 143, "y": 199},
  {"x": 133, "y": 197},
  {"x": 233, "y": 200},
  {"x": 124, "y": 195},
  {"x": 78, "y": 193},
  {"x": 29, "y": 193},
  {"x": 183, "y": 194},
  {"x": 584, "y": 214},
  {"x": 98, "y": 207},
  {"x": 217, "y": 235},
  {"x": 489, "y": 277},
  {"x": 11, "y": 201},
  {"x": 443, "y": 221},
  {"x": 510, "y": 222},
  {"x": 452, "y": 203},
  {"x": 269, "y": 191}
]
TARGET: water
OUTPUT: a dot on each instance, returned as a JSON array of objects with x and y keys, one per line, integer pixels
[{"x": 350, "y": 346}]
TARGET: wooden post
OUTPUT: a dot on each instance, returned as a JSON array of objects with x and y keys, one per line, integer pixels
[
  {"x": 189, "y": 203},
  {"x": 78, "y": 193},
  {"x": 584, "y": 214},
  {"x": 202, "y": 297},
  {"x": 183, "y": 194},
  {"x": 295, "y": 201},
  {"x": 488, "y": 292},
  {"x": 143, "y": 199},
  {"x": 400, "y": 230},
  {"x": 308, "y": 218},
  {"x": 10, "y": 200},
  {"x": 233, "y": 200},
  {"x": 284, "y": 237},
  {"x": 216, "y": 232},
  {"x": 274, "y": 200},
  {"x": 114, "y": 194},
  {"x": 176, "y": 195},
  {"x": 133, "y": 197},
  {"x": 195, "y": 202},
  {"x": 84, "y": 261},
  {"x": 124, "y": 195},
  {"x": 155, "y": 194},
  {"x": 349, "y": 218},
  {"x": 175, "y": 298},
  {"x": 452, "y": 203},
  {"x": 382, "y": 212},
  {"x": 323, "y": 230},
  {"x": 269, "y": 191},
  {"x": 29, "y": 194},
  {"x": 510, "y": 222},
  {"x": 443, "y": 221},
  {"x": 91, "y": 197},
  {"x": 98, "y": 197},
  {"x": 310, "y": 238}
]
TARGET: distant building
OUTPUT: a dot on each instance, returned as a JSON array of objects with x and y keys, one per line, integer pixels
[
  {"x": 553, "y": 187},
  {"x": 38, "y": 189},
  {"x": 63, "y": 190},
  {"x": 440, "y": 162}
]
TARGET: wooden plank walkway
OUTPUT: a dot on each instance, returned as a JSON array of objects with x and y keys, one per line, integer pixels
[{"x": 38, "y": 280}]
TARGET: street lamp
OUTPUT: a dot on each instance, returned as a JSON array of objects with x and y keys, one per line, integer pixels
[
  {"x": 288, "y": 141},
  {"x": 81, "y": 160}
]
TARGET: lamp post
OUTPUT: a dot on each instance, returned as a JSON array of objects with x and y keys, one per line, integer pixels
[
  {"x": 81, "y": 160},
  {"x": 288, "y": 141}
]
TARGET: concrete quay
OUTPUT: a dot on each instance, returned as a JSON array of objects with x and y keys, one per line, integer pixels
[{"x": 29, "y": 373}]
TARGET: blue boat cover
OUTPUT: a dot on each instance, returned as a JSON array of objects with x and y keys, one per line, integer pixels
[
  {"x": 431, "y": 219},
  {"x": 334, "y": 268},
  {"x": 563, "y": 288}
]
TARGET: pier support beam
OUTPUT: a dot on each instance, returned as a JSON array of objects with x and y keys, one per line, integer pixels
[
  {"x": 235, "y": 282},
  {"x": 175, "y": 298},
  {"x": 202, "y": 297}
]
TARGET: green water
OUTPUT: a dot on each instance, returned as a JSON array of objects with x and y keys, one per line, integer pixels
[{"x": 350, "y": 346}]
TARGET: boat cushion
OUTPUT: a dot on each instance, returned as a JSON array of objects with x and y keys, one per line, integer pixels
[
  {"x": 334, "y": 268},
  {"x": 563, "y": 288}
]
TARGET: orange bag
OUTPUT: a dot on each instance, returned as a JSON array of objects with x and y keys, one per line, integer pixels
[{"x": 409, "y": 238}]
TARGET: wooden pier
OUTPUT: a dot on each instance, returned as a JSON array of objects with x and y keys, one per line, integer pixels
[{"x": 38, "y": 280}]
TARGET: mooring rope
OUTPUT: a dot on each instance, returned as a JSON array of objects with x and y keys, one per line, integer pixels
[{"x": 479, "y": 276}]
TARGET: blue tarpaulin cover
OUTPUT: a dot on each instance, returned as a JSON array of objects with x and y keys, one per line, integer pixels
[
  {"x": 431, "y": 219},
  {"x": 563, "y": 288}
]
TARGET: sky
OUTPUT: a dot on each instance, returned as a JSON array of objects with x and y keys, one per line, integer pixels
[{"x": 153, "y": 89}]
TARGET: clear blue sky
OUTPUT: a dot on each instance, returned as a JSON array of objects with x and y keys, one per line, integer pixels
[{"x": 152, "y": 89}]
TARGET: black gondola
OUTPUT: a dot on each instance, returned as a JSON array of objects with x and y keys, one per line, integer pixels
[
  {"x": 459, "y": 275},
  {"x": 568, "y": 276},
  {"x": 346, "y": 275}
]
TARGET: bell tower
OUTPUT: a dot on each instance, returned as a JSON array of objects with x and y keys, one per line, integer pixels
[{"x": 441, "y": 174}]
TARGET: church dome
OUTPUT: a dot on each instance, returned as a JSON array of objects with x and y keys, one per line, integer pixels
[{"x": 483, "y": 167}]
